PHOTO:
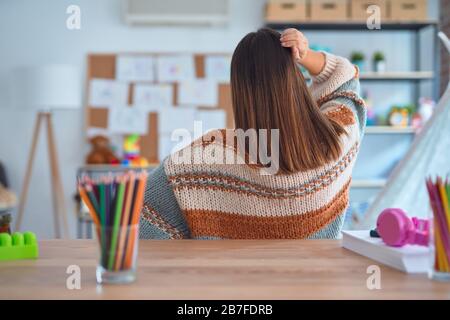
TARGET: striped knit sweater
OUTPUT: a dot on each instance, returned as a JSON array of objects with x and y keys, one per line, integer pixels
[{"x": 223, "y": 201}]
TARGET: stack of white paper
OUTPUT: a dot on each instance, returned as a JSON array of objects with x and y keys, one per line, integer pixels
[{"x": 410, "y": 258}]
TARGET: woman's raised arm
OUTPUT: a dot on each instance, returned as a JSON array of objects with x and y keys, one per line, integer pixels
[{"x": 312, "y": 60}]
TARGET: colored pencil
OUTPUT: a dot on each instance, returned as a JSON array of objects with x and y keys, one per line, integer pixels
[
  {"x": 91, "y": 195},
  {"x": 116, "y": 223},
  {"x": 102, "y": 203},
  {"x": 127, "y": 240},
  {"x": 108, "y": 200},
  {"x": 135, "y": 219},
  {"x": 87, "y": 201},
  {"x": 125, "y": 219},
  {"x": 114, "y": 205},
  {"x": 444, "y": 200},
  {"x": 440, "y": 205}
]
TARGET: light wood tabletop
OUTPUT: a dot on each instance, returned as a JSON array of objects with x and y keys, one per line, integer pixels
[{"x": 185, "y": 269}]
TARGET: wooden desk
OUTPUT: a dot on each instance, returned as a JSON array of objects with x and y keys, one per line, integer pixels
[{"x": 185, "y": 269}]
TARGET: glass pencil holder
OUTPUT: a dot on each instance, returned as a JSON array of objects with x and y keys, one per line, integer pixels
[
  {"x": 118, "y": 254},
  {"x": 439, "y": 251}
]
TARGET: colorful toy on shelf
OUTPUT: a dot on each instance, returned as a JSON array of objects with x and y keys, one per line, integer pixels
[
  {"x": 132, "y": 152},
  {"x": 101, "y": 152},
  {"x": 18, "y": 246},
  {"x": 371, "y": 116},
  {"x": 424, "y": 112},
  {"x": 400, "y": 116},
  {"x": 5, "y": 221}
]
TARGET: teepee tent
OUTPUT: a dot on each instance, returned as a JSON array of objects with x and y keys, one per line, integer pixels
[{"x": 429, "y": 156}]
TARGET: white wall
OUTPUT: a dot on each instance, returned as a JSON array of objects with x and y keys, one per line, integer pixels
[{"x": 34, "y": 32}]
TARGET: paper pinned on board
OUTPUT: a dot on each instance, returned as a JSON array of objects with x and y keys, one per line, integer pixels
[
  {"x": 175, "y": 68},
  {"x": 167, "y": 146},
  {"x": 107, "y": 93},
  {"x": 218, "y": 68},
  {"x": 127, "y": 120},
  {"x": 201, "y": 92},
  {"x": 152, "y": 97},
  {"x": 135, "y": 68},
  {"x": 173, "y": 118},
  {"x": 211, "y": 119}
]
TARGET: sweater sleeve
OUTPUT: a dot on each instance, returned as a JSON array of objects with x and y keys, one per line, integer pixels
[
  {"x": 337, "y": 87},
  {"x": 161, "y": 216}
]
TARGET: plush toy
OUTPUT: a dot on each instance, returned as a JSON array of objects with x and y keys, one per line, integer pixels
[{"x": 101, "y": 152}]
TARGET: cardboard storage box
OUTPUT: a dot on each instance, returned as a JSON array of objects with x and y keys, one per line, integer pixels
[
  {"x": 329, "y": 10},
  {"x": 358, "y": 9},
  {"x": 286, "y": 11},
  {"x": 409, "y": 10}
]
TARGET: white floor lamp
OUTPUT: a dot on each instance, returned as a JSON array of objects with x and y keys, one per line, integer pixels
[{"x": 46, "y": 89}]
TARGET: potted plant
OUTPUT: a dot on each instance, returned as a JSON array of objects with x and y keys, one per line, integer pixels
[
  {"x": 357, "y": 58},
  {"x": 379, "y": 63}
]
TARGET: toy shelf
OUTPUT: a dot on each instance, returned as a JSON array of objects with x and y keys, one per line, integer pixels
[{"x": 415, "y": 27}]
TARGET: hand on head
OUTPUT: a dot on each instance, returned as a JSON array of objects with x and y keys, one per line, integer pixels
[{"x": 294, "y": 39}]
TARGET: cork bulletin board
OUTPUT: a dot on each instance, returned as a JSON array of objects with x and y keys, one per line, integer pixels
[{"x": 103, "y": 66}]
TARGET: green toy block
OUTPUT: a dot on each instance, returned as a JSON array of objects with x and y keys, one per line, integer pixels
[{"x": 18, "y": 246}]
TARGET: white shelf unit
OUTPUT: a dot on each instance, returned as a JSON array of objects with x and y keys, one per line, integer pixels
[
  {"x": 401, "y": 75},
  {"x": 393, "y": 76},
  {"x": 368, "y": 183},
  {"x": 389, "y": 130}
]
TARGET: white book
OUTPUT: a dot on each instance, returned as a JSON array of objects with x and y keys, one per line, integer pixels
[{"x": 409, "y": 259}]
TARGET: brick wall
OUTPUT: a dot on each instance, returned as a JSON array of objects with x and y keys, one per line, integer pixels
[{"x": 445, "y": 27}]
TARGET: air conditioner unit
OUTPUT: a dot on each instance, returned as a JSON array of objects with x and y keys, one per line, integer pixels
[{"x": 176, "y": 12}]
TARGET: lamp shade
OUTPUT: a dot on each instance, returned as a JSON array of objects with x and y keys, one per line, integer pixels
[{"x": 47, "y": 87}]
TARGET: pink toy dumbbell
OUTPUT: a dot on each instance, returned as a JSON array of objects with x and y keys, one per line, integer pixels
[{"x": 397, "y": 230}]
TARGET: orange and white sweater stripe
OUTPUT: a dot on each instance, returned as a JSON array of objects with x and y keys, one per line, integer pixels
[{"x": 234, "y": 201}]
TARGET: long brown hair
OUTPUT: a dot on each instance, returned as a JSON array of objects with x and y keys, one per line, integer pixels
[{"x": 270, "y": 92}]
